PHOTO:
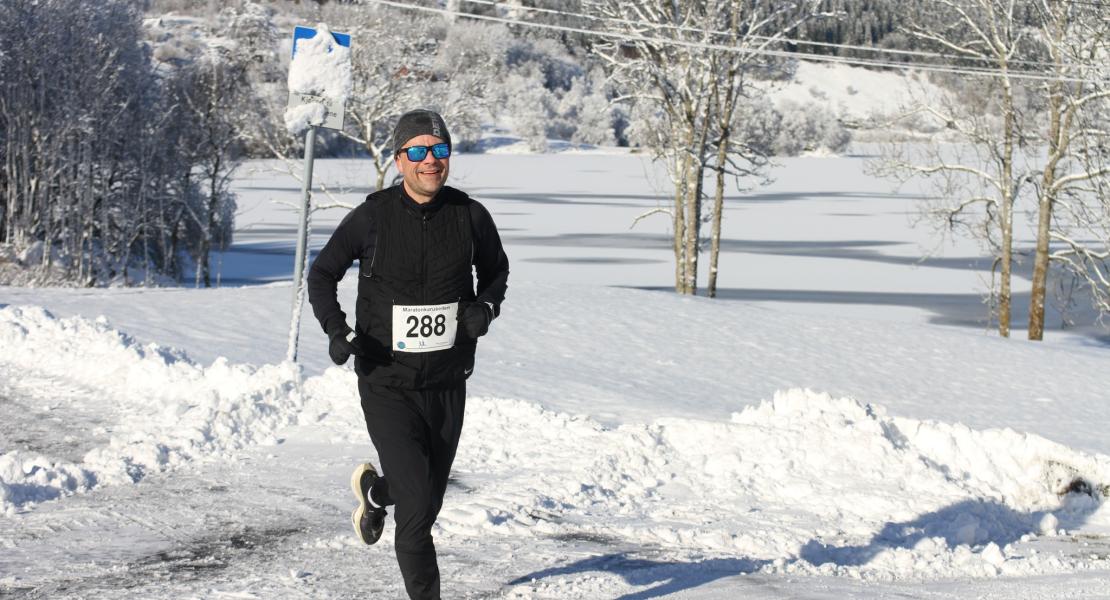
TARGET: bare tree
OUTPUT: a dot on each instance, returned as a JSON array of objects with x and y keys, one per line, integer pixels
[
  {"x": 979, "y": 177},
  {"x": 401, "y": 61},
  {"x": 1016, "y": 139},
  {"x": 82, "y": 180},
  {"x": 384, "y": 80},
  {"x": 683, "y": 66},
  {"x": 1073, "y": 191},
  {"x": 210, "y": 91},
  {"x": 735, "y": 88}
]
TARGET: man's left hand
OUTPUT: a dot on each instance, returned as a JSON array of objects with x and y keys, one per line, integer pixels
[{"x": 475, "y": 318}]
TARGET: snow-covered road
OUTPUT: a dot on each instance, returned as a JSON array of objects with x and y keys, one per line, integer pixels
[{"x": 230, "y": 480}]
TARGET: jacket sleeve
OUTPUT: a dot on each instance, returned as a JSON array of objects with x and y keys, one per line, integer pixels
[
  {"x": 490, "y": 262},
  {"x": 349, "y": 241}
]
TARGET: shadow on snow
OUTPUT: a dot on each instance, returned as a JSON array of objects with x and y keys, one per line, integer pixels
[
  {"x": 975, "y": 523},
  {"x": 670, "y": 576}
]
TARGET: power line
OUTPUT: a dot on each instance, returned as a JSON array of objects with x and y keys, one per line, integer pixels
[
  {"x": 988, "y": 72},
  {"x": 796, "y": 41},
  {"x": 1091, "y": 3}
]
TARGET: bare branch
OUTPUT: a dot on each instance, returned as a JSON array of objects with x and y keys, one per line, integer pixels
[{"x": 654, "y": 211}]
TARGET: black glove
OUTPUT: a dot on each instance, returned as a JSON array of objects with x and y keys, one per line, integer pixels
[
  {"x": 475, "y": 318},
  {"x": 340, "y": 346}
]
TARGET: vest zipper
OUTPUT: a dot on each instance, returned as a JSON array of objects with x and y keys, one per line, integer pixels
[
  {"x": 424, "y": 258},
  {"x": 423, "y": 284}
]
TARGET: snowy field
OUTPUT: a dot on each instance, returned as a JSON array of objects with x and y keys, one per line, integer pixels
[{"x": 840, "y": 423}]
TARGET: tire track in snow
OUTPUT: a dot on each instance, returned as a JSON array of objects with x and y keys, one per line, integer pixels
[
  {"x": 57, "y": 419},
  {"x": 245, "y": 527}
]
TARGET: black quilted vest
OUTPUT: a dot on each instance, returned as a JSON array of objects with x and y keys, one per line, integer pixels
[{"x": 422, "y": 255}]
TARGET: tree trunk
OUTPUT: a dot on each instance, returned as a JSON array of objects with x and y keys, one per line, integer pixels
[
  {"x": 725, "y": 110},
  {"x": 718, "y": 209},
  {"x": 1047, "y": 196},
  {"x": 1044, "y": 222},
  {"x": 679, "y": 218},
  {"x": 380, "y": 183},
  {"x": 693, "y": 225},
  {"x": 210, "y": 221},
  {"x": 694, "y": 190},
  {"x": 1007, "y": 216},
  {"x": 381, "y": 162}
]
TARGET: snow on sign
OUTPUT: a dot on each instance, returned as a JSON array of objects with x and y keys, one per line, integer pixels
[
  {"x": 307, "y": 33},
  {"x": 319, "y": 78}
]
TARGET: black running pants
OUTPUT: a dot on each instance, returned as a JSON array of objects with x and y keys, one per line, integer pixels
[{"x": 416, "y": 433}]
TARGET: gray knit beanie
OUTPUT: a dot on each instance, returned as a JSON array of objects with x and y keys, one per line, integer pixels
[{"x": 419, "y": 122}]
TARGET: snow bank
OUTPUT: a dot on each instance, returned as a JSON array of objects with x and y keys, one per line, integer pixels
[
  {"x": 171, "y": 410},
  {"x": 26, "y": 478},
  {"x": 803, "y": 483}
]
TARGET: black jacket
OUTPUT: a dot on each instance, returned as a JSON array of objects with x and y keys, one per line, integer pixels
[{"x": 410, "y": 253}]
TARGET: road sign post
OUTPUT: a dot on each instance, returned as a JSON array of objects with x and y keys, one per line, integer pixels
[{"x": 331, "y": 118}]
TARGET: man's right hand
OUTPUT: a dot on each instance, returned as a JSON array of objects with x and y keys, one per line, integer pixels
[{"x": 342, "y": 345}]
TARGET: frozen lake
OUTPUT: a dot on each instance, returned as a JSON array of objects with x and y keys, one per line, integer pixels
[{"x": 823, "y": 237}]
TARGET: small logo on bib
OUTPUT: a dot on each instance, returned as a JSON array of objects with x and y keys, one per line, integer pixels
[{"x": 400, "y": 345}]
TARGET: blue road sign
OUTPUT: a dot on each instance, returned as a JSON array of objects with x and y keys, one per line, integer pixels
[{"x": 307, "y": 33}]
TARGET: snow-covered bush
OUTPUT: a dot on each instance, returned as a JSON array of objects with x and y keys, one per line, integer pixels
[
  {"x": 528, "y": 106},
  {"x": 251, "y": 26},
  {"x": 757, "y": 125},
  {"x": 469, "y": 63},
  {"x": 110, "y": 159},
  {"x": 548, "y": 94},
  {"x": 808, "y": 127},
  {"x": 647, "y": 125},
  {"x": 559, "y": 68},
  {"x": 583, "y": 113}
]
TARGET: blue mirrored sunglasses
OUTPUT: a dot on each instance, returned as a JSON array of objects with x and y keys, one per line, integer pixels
[{"x": 419, "y": 153}]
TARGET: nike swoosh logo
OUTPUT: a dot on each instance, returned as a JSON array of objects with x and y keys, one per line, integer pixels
[{"x": 467, "y": 371}]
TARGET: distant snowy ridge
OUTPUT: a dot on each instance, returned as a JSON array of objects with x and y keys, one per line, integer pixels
[{"x": 172, "y": 409}]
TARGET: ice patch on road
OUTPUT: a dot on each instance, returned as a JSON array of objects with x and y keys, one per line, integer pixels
[{"x": 172, "y": 409}]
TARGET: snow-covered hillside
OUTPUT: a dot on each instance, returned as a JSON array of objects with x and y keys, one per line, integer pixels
[{"x": 863, "y": 98}]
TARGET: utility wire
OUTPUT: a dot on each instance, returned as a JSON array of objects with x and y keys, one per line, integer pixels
[
  {"x": 981, "y": 71},
  {"x": 796, "y": 41}
]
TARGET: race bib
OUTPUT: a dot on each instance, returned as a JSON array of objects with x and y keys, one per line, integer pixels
[{"x": 424, "y": 327}]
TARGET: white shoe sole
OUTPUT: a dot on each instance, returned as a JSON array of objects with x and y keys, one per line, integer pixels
[{"x": 363, "y": 502}]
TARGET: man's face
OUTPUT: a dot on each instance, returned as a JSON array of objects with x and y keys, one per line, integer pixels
[{"x": 423, "y": 179}]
